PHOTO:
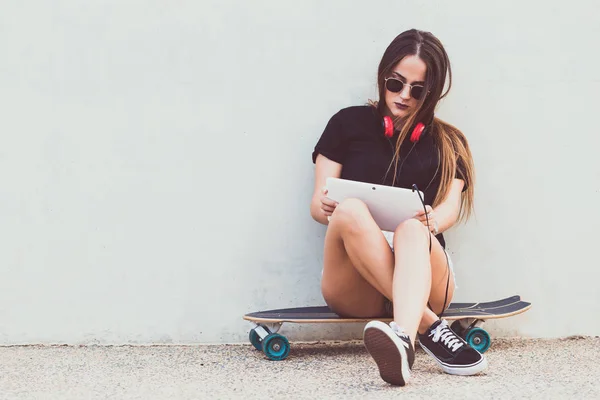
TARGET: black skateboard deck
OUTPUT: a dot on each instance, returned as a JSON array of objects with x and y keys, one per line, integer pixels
[
  {"x": 468, "y": 317},
  {"x": 320, "y": 314}
]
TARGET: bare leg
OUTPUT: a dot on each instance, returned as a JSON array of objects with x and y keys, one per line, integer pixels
[
  {"x": 358, "y": 263},
  {"x": 415, "y": 270},
  {"x": 359, "y": 269},
  {"x": 442, "y": 288},
  {"x": 412, "y": 278}
]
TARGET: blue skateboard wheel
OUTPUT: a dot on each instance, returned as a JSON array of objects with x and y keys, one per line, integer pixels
[
  {"x": 479, "y": 339},
  {"x": 255, "y": 339},
  {"x": 276, "y": 347}
]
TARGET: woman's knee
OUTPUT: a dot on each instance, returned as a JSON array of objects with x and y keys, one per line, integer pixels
[
  {"x": 350, "y": 212},
  {"x": 413, "y": 228}
]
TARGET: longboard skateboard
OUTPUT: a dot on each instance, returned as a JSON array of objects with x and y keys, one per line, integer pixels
[{"x": 468, "y": 320}]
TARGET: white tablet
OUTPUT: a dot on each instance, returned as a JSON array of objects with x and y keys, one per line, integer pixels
[{"x": 388, "y": 205}]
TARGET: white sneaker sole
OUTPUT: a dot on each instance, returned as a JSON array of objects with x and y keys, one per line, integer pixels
[
  {"x": 388, "y": 351},
  {"x": 464, "y": 370}
]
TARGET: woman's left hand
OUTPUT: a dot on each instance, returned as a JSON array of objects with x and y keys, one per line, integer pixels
[{"x": 433, "y": 224}]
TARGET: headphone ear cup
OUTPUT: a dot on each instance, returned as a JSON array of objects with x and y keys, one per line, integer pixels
[
  {"x": 417, "y": 132},
  {"x": 388, "y": 127}
]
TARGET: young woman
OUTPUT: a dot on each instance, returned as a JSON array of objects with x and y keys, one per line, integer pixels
[{"x": 407, "y": 274}]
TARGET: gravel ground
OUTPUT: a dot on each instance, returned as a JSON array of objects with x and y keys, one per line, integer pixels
[{"x": 565, "y": 368}]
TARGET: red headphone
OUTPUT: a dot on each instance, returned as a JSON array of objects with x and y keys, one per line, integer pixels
[{"x": 388, "y": 129}]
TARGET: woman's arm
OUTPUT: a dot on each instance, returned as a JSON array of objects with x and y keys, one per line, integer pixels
[
  {"x": 445, "y": 214},
  {"x": 448, "y": 211},
  {"x": 324, "y": 168}
]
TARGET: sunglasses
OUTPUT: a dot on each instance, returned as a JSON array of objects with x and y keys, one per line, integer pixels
[{"x": 396, "y": 86}]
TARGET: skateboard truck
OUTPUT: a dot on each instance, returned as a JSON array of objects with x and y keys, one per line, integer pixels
[{"x": 271, "y": 327}]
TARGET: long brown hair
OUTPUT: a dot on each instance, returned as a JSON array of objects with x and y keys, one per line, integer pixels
[{"x": 452, "y": 144}]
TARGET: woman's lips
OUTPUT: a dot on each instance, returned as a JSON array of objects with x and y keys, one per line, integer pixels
[{"x": 401, "y": 106}]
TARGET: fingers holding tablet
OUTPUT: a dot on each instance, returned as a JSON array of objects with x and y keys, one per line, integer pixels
[{"x": 327, "y": 205}]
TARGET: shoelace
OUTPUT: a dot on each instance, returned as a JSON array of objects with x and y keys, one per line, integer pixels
[
  {"x": 399, "y": 331},
  {"x": 447, "y": 336}
]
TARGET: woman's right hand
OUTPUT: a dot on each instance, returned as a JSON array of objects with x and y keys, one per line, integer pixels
[
  {"x": 321, "y": 207},
  {"x": 327, "y": 205}
]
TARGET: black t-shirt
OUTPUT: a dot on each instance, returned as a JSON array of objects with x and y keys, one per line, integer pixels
[{"x": 354, "y": 138}]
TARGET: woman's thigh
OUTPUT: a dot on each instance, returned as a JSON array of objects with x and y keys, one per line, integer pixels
[{"x": 344, "y": 289}]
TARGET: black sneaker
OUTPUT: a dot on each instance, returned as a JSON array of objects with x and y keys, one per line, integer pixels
[
  {"x": 392, "y": 351},
  {"x": 450, "y": 351}
]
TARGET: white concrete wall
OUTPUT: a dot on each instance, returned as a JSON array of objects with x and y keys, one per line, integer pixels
[{"x": 155, "y": 159}]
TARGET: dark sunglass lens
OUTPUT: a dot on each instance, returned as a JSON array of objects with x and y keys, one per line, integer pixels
[
  {"x": 394, "y": 85},
  {"x": 417, "y": 92}
]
